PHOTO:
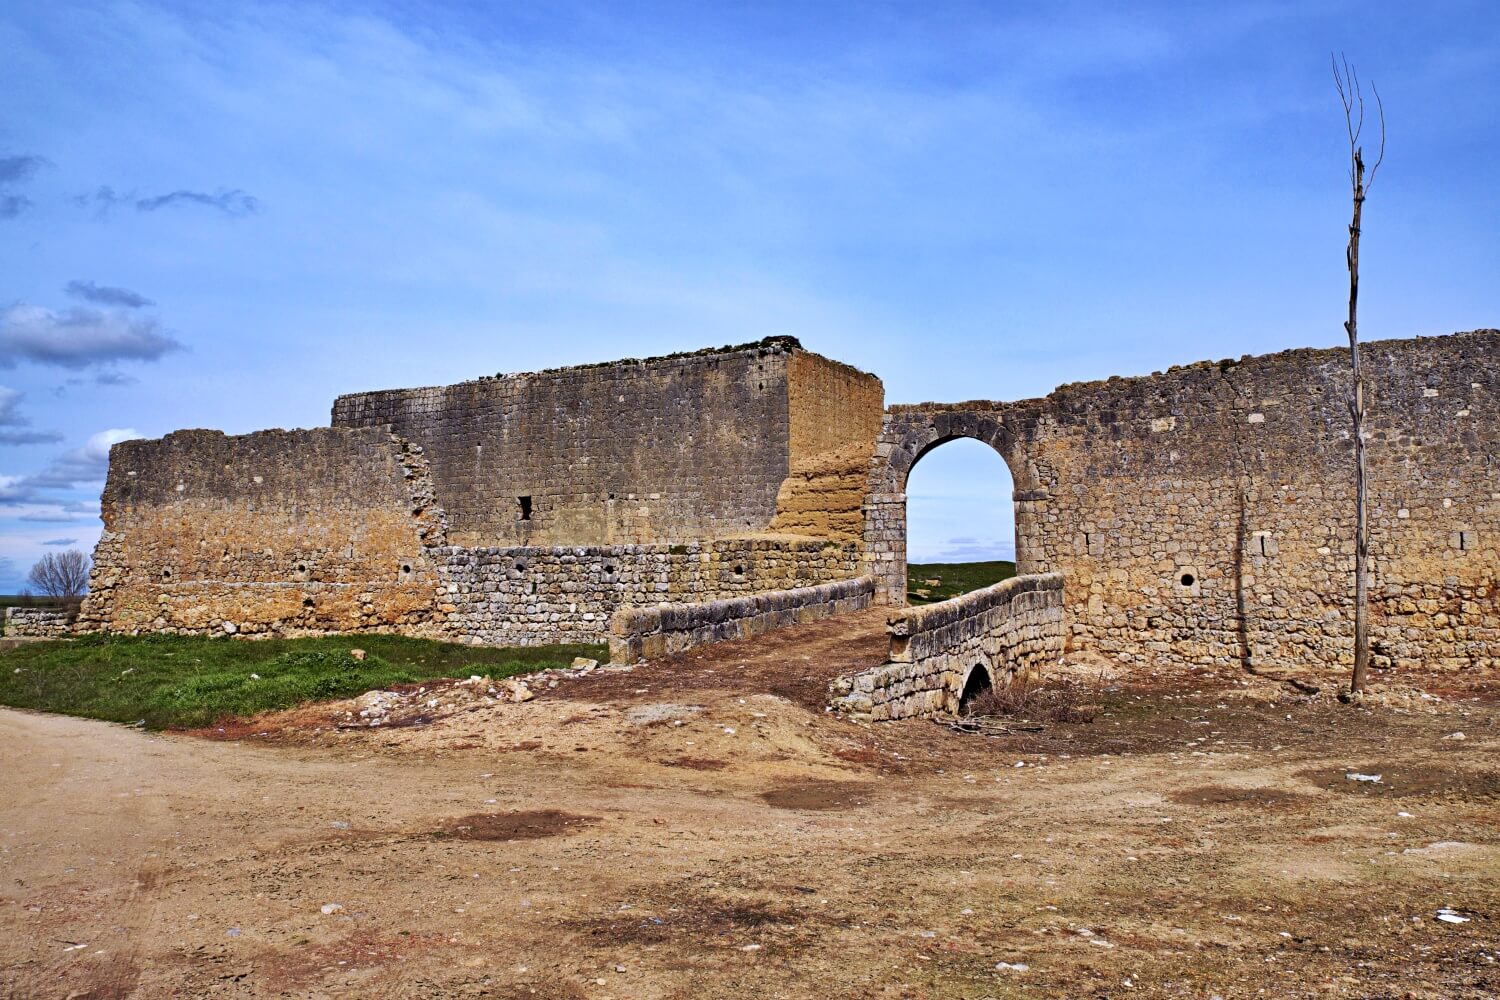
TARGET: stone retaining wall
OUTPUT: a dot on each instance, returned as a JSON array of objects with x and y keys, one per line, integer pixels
[
  {"x": 39, "y": 622},
  {"x": 647, "y": 633},
  {"x": 1011, "y": 627},
  {"x": 521, "y": 596}
]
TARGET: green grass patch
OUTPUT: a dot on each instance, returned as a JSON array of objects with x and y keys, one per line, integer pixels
[
  {"x": 183, "y": 681},
  {"x": 930, "y": 582}
]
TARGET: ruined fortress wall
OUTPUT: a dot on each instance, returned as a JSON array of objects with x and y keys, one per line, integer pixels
[
  {"x": 669, "y": 449},
  {"x": 278, "y": 532},
  {"x": 522, "y": 596},
  {"x": 1206, "y": 514}
]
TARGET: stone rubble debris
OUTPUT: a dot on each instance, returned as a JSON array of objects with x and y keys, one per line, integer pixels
[{"x": 437, "y": 699}]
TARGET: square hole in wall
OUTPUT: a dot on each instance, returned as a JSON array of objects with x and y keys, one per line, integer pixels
[{"x": 525, "y": 505}]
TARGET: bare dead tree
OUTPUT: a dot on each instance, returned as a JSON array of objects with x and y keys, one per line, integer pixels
[
  {"x": 63, "y": 575},
  {"x": 1351, "y": 96}
]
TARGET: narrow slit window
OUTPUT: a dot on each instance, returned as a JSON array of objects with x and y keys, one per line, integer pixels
[{"x": 525, "y": 503}]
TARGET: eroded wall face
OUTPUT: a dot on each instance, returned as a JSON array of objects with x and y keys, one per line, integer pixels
[
  {"x": 834, "y": 413},
  {"x": 279, "y": 532},
  {"x": 1206, "y": 515},
  {"x": 667, "y": 450}
]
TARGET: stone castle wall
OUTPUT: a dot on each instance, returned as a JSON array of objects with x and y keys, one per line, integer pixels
[
  {"x": 674, "y": 449},
  {"x": 346, "y": 528},
  {"x": 1205, "y": 515},
  {"x": 278, "y": 532},
  {"x": 1014, "y": 626}
]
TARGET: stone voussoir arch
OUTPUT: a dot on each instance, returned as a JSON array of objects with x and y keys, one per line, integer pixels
[{"x": 907, "y": 434}]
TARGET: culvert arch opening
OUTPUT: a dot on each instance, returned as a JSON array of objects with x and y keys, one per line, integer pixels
[{"x": 976, "y": 685}]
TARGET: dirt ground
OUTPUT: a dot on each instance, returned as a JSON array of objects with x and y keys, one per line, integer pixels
[{"x": 701, "y": 828}]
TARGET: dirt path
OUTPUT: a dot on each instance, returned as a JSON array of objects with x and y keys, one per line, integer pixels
[{"x": 719, "y": 842}]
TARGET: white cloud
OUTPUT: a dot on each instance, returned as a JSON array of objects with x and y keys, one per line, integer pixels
[
  {"x": 79, "y": 337},
  {"x": 81, "y": 467}
]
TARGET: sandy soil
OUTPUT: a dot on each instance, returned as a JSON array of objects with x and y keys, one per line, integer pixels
[{"x": 672, "y": 832}]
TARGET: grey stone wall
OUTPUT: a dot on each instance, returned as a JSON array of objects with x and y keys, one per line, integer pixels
[
  {"x": 650, "y": 632},
  {"x": 534, "y": 595},
  {"x": 672, "y": 449},
  {"x": 39, "y": 622},
  {"x": 1014, "y": 626}
]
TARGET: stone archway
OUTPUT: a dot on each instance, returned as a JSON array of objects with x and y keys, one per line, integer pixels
[{"x": 909, "y": 432}]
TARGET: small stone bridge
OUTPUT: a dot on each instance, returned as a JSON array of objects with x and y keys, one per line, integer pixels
[{"x": 942, "y": 655}]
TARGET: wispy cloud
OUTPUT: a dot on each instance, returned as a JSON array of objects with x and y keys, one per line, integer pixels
[
  {"x": 83, "y": 466},
  {"x": 229, "y": 202},
  {"x": 30, "y": 437},
  {"x": 232, "y": 202},
  {"x": 14, "y": 169},
  {"x": 12, "y": 422},
  {"x": 79, "y": 337},
  {"x": 61, "y": 541},
  {"x": 12, "y": 205},
  {"x": 106, "y": 295}
]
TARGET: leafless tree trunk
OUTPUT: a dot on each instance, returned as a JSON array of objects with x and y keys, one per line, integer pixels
[
  {"x": 1352, "y": 98},
  {"x": 61, "y": 574}
]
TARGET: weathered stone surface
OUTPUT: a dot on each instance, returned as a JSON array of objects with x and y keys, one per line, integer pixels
[
  {"x": 274, "y": 533},
  {"x": 39, "y": 622},
  {"x": 647, "y": 632},
  {"x": 675, "y": 449}
]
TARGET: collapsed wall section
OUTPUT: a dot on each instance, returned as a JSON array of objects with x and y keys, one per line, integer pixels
[
  {"x": 279, "y": 532},
  {"x": 38, "y": 621},
  {"x": 670, "y": 449}
]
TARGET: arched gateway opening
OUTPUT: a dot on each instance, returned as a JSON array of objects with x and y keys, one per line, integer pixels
[
  {"x": 960, "y": 521},
  {"x": 909, "y": 436}
]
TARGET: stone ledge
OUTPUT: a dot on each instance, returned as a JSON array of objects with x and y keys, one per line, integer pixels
[{"x": 660, "y": 630}]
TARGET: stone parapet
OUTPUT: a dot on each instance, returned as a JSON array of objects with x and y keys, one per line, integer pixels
[{"x": 650, "y": 632}]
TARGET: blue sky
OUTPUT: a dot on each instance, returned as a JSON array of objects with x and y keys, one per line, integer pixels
[{"x": 223, "y": 215}]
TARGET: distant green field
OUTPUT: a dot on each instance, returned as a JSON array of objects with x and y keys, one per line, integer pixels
[
  {"x": 6, "y": 600},
  {"x": 182, "y": 681},
  {"x": 952, "y": 579}
]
